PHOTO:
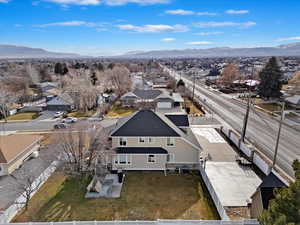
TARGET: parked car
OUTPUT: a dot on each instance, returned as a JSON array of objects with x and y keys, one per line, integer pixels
[
  {"x": 69, "y": 120},
  {"x": 60, "y": 126},
  {"x": 58, "y": 114}
]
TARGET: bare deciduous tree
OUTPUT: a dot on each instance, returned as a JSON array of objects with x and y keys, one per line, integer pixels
[
  {"x": 25, "y": 184},
  {"x": 82, "y": 148},
  {"x": 120, "y": 79},
  {"x": 229, "y": 74}
]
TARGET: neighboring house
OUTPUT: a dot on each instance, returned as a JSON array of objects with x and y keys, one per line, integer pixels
[
  {"x": 62, "y": 102},
  {"x": 293, "y": 101},
  {"x": 265, "y": 193},
  {"x": 149, "y": 140},
  {"x": 15, "y": 149},
  {"x": 159, "y": 99},
  {"x": 49, "y": 88}
]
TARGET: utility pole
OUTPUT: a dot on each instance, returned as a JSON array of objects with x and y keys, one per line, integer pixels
[
  {"x": 246, "y": 119},
  {"x": 193, "y": 88},
  {"x": 278, "y": 134}
]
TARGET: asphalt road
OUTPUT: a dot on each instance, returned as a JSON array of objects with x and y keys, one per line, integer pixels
[{"x": 261, "y": 131}]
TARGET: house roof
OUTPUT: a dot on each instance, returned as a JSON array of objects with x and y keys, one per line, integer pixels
[
  {"x": 142, "y": 150},
  {"x": 62, "y": 99},
  {"x": 179, "y": 120},
  {"x": 295, "y": 99},
  {"x": 267, "y": 187},
  {"x": 177, "y": 97},
  {"x": 147, "y": 94},
  {"x": 272, "y": 181},
  {"x": 14, "y": 144},
  {"x": 145, "y": 123}
]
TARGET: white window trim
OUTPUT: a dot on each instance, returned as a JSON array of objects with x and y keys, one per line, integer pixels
[
  {"x": 145, "y": 140},
  {"x": 119, "y": 141},
  {"x": 153, "y": 158},
  {"x": 172, "y": 156},
  {"x": 171, "y": 146},
  {"x": 153, "y": 140},
  {"x": 128, "y": 159}
]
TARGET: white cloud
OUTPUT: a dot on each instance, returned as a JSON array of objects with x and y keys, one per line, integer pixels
[
  {"x": 236, "y": 12},
  {"x": 140, "y": 2},
  {"x": 107, "y": 2},
  {"x": 225, "y": 24},
  {"x": 74, "y": 23},
  {"x": 184, "y": 12},
  {"x": 4, "y": 1},
  {"x": 209, "y": 33},
  {"x": 199, "y": 43},
  {"x": 76, "y": 2},
  {"x": 180, "y": 12},
  {"x": 289, "y": 39},
  {"x": 168, "y": 39},
  {"x": 160, "y": 28}
]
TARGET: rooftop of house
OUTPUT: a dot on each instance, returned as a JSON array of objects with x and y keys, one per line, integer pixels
[
  {"x": 14, "y": 144},
  {"x": 147, "y": 94},
  {"x": 180, "y": 120},
  {"x": 146, "y": 123},
  {"x": 295, "y": 99},
  {"x": 62, "y": 99}
]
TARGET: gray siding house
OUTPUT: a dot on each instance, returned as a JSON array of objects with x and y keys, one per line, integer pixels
[
  {"x": 149, "y": 140},
  {"x": 62, "y": 102}
]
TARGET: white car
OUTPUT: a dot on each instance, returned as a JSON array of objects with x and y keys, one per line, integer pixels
[
  {"x": 58, "y": 114},
  {"x": 69, "y": 120}
]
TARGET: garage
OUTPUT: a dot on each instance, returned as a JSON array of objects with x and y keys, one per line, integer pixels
[{"x": 164, "y": 105}]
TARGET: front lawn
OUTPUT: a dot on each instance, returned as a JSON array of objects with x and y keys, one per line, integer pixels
[
  {"x": 80, "y": 114},
  {"x": 24, "y": 116},
  {"x": 145, "y": 196},
  {"x": 119, "y": 111}
]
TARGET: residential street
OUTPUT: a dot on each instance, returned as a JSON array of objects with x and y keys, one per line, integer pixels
[{"x": 262, "y": 129}]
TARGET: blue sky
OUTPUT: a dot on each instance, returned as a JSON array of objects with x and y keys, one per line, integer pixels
[{"x": 110, "y": 27}]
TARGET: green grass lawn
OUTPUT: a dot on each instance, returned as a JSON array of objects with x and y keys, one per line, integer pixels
[
  {"x": 80, "y": 114},
  {"x": 24, "y": 116},
  {"x": 145, "y": 196},
  {"x": 119, "y": 111}
]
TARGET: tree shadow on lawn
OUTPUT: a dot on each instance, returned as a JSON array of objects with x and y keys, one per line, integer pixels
[{"x": 145, "y": 196}]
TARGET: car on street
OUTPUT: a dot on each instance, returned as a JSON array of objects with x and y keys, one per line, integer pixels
[
  {"x": 95, "y": 119},
  {"x": 58, "y": 126},
  {"x": 69, "y": 120},
  {"x": 58, "y": 114}
]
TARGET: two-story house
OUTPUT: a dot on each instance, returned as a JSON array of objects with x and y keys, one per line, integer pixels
[{"x": 150, "y": 140}]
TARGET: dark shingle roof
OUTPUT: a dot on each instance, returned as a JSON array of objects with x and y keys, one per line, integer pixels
[
  {"x": 271, "y": 181},
  {"x": 267, "y": 187},
  {"x": 179, "y": 120},
  {"x": 145, "y": 150},
  {"x": 147, "y": 94},
  {"x": 145, "y": 123}
]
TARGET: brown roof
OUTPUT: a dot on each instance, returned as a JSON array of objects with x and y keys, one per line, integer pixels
[{"x": 14, "y": 144}]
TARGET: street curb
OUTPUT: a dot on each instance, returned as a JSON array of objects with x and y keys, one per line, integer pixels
[{"x": 16, "y": 121}]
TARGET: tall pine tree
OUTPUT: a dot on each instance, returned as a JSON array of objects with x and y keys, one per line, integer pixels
[
  {"x": 270, "y": 80},
  {"x": 285, "y": 208}
]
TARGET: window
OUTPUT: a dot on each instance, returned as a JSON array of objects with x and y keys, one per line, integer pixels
[
  {"x": 123, "y": 142},
  {"x": 151, "y": 159},
  {"x": 170, "y": 142},
  {"x": 151, "y": 140},
  {"x": 123, "y": 159},
  {"x": 170, "y": 158},
  {"x": 142, "y": 140}
]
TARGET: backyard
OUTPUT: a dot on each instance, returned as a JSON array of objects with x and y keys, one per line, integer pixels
[{"x": 145, "y": 196}]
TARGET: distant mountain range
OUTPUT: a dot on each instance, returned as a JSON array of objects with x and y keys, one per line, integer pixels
[
  {"x": 281, "y": 50},
  {"x": 12, "y": 52}
]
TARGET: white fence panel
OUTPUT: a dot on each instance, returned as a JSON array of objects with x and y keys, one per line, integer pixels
[
  {"x": 261, "y": 164},
  {"x": 246, "y": 150},
  {"x": 7, "y": 215},
  {"x": 213, "y": 195}
]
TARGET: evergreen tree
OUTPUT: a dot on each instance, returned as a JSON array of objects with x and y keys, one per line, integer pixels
[
  {"x": 285, "y": 208},
  {"x": 58, "y": 68},
  {"x": 93, "y": 78},
  {"x": 270, "y": 80},
  {"x": 180, "y": 83}
]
